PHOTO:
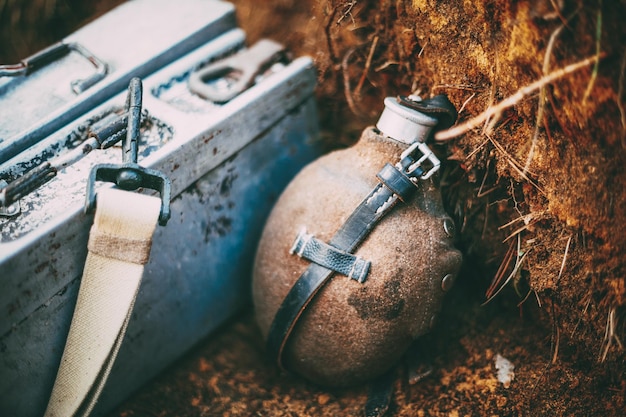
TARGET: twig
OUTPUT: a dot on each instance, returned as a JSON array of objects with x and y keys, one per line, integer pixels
[
  {"x": 386, "y": 65},
  {"x": 610, "y": 335},
  {"x": 467, "y": 87},
  {"x": 475, "y": 151},
  {"x": 347, "y": 11},
  {"x": 518, "y": 263},
  {"x": 620, "y": 104},
  {"x": 419, "y": 55},
  {"x": 346, "y": 82},
  {"x": 556, "y": 333},
  {"x": 564, "y": 259},
  {"x": 513, "y": 99},
  {"x": 329, "y": 38},
  {"x": 580, "y": 317},
  {"x": 465, "y": 103},
  {"x": 542, "y": 97},
  {"x": 514, "y": 164},
  {"x": 594, "y": 73},
  {"x": 368, "y": 62}
]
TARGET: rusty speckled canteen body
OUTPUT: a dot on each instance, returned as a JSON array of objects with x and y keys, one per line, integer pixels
[{"x": 352, "y": 332}]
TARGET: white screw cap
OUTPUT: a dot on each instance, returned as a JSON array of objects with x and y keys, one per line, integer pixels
[{"x": 404, "y": 124}]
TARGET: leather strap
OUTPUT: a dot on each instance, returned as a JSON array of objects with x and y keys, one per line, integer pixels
[
  {"x": 438, "y": 106},
  {"x": 310, "y": 248},
  {"x": 106, "y": 297},
  {"x": 351, "y": 234}
]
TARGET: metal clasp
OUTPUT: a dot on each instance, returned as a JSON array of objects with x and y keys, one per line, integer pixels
[
  {"x": 52, "y": 53},
  {"x": 223, "y": 80},
  {"x": 103, "y": 134},
  {"x": 129, "y": 175},
  {"x": 13, "y": 208},
  {"x": 412, "y": 167}
]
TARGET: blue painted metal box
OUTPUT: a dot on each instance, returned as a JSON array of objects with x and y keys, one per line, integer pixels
[{"x": 227, "y": 162}]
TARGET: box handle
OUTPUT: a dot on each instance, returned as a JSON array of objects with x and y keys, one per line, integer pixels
[
  {"x": 221, "y": 81},
  {"x": 51, "y": 54}
]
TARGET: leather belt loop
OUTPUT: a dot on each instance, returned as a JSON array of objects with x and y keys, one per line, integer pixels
[
  {"x": 397, "y": 182},
  {"x": 308, "y": 247}
]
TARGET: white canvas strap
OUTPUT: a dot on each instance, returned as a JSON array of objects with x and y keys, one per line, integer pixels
[{"x": 119, "y": 247}]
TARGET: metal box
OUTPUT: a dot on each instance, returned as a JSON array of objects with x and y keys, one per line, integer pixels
[
  {"x": 227, "y": 163},
  {"x": 97, "y": 62}
]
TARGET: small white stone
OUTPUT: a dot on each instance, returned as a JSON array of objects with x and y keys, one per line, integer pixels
[{"x": 505, "y": 370}]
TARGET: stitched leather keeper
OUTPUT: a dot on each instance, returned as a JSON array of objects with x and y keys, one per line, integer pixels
[
  {"x": 397, "y": 182},
  {"x": 312, "y": 249}
]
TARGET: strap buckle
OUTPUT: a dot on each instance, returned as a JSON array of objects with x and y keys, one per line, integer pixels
[
  {"x": 412, "y": 165},
  {"x": 129, "y": 175}
]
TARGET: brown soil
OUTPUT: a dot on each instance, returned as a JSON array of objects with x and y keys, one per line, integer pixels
[{"x": 561, "y": 318}]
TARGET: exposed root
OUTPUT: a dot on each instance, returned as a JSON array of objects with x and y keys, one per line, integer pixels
[
  {"x": 514, "y": 164},
  {"x": 542, "y": 96},
  {"x": 524, "y": 218},
  {"x": 386, "y": 65},
  {"x": 329, "y": 39},
  {"x": 419, "y": 55},
  {"x": 487, "y": 127},
  {"x": 538, "y": 299},
  {"x": 366, "y": 69},
  {"x": 482, "y": 193},
  {"x": 475, "y": 151},
  {"x": 346, "y": 82},
  {"x": 347, "y": 11},
  {"x": 610, "y": 335},
  {"x": 534, "y": 219},
  {"x": 512, "y": 100}
]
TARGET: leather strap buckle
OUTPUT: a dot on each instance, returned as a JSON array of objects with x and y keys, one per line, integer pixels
[{"x": 412, "y": 166}]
